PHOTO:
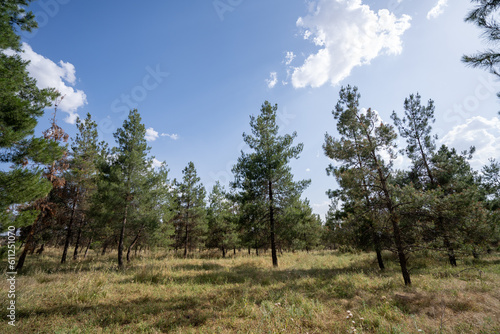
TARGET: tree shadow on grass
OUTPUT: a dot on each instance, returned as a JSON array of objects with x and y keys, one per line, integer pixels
[
  {"x": 203, "y": 266},
  {"x": 163, "y": 314},
  {"x": 254, "y": 275}
]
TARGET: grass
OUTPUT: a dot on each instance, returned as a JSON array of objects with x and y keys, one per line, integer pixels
[{"x": 319, "y": 292}]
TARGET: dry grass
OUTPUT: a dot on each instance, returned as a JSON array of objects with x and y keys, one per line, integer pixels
[{"x": 308, "y": 293}]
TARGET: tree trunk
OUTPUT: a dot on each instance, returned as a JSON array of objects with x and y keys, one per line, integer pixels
[
  {"x": 33, "y": 247},
  {"x": 40, "y": 250},
  {"x": 447, "y": 243},
  {"x": 376, "y": 242},
  {"x": 122, "y": 236},
  {"x": 223, "y": 252},
  {"x": 68, "y": 234},
  {"x": 104, "y": 247},
  {"x": 87, "y": 249},
  {"x": 133, "y": 243},
  {"x": 394, "y": 219},
  {"x": 271, "y": 220},
  {"x": 29, "y": 240},
  {"x": 77, "y": 243},
  {"x": 451, "y": 252},
  {"x": 187, "y": 232},
  {"x": 400, "y": 249},
  {"x": 379, "y": 258}
]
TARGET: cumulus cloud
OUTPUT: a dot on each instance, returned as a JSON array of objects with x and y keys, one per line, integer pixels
[
  {"x": 273, "y": 80},
  {"x": 151, "y": 134},
  {"x": 171, "y": 136},
  {"x": 437, "y": 10},
  {"x": 349, "y": 34},
  {"x": 157, "y": 163},
  {"x": 60, "y": 76},
  {"x": 479, "y": 132}
]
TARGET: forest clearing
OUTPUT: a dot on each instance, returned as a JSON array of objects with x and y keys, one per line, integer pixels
[
  {"x": 151, "y": 194},
  {"x": 316, "y": 292}
]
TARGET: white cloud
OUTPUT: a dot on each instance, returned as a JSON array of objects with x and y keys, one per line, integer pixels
[
  {"x": 171, "y": 136},
  {"x": 477, "y": 131},
  {"x": 308, "y": 170},
  {"x": 157, "y": 163},
  {"x": 290, "y": 56},
  {"x": 60, "y": 76},
  {"x": 151, "y": 134},
  {"x": 350, "y": 34},
  {"x": 273, "y": 80},
  {"x": 437, "y": 10}
]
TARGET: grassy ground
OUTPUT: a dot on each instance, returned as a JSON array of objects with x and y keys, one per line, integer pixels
[{"x": 308, "y": 293}]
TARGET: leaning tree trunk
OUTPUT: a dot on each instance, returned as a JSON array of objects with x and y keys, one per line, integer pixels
[
  {"x": 27, "y": 247},
  {"x": 394, "y": 220},
  {"x": 40, "y": 250},
  {"x": 400, "y": 250},
  {"x": 87, "y": 249},
  {"x": 105, "y": 247},
  {"x": 376, "y": 242},
  {"x": 133, "y": 243}
]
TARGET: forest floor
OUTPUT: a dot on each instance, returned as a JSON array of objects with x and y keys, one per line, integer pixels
[{"x": 309, "y": 293}]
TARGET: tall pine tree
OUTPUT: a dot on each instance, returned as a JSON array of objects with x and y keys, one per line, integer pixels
[
  {"x": 264, "y": 176},
  {"x": 191, "y": 226},
  {"x": 127, "y": 178},
  {"x": 21, "y": 104}
]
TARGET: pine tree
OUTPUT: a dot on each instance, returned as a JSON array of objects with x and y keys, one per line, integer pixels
[
  {"x": 191, "y": 214},
  {"x": 298, "y": 227},
  {"x": 222, "y": 224},
  {"x": 484, "y": 16},
  {"x": 82, "y": 178},
  {"x": 416, "y": 128},
  {"x": 352, "y": 176},
  {"x": 126, "y": 177},
  {"x": 364, "y": 175},
  {"x": 21, "y": 104},
  {"x": 151, "y": 214},
  {"x": 47, "y": 207},
  {"x": 264, "y": 175}
]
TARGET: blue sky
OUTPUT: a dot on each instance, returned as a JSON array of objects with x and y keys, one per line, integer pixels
[{"x": 197, "y": 69}]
